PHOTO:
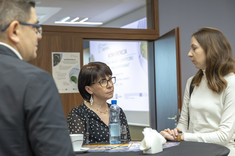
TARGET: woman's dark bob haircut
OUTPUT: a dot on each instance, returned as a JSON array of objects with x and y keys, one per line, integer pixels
[{"x": 89, "y": 74}]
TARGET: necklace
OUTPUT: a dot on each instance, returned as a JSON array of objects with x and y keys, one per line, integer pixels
[
  {"x": 101, "y": 111},
  {"x": 97, "y": 110}
]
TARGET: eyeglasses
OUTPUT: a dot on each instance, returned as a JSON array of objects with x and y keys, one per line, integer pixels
[
  {"x": 104, "y": 82},
  {"x": 38, "y": 27}
]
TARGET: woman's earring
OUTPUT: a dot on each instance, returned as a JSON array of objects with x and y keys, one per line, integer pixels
[{"x": 91, "y": 100}]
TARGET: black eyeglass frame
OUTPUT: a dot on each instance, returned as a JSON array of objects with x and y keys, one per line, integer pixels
[
  {"x": 37, "y": 26},
  {"x": 112, "y": 79}
]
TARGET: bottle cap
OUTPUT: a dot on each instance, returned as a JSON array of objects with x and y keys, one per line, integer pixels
[{"x": 113, "y": 101}]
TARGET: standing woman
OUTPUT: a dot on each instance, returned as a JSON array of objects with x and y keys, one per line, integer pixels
[
  {"x": 208, "y": 115},
  {"x": 91, "y": 118}
]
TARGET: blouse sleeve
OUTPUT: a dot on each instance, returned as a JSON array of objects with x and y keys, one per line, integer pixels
[
  {"x": 124, "y": 123},
  {"x": 75, "y": 123}
]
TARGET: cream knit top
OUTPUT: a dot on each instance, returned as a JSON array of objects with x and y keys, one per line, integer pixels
[{"x": 212, "y": 115}]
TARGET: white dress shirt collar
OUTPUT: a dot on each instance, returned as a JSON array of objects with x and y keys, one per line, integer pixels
[{"x": 10, "y": 47}]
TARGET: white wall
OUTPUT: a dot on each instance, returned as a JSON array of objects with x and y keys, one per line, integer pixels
[{"x": 190, "y": 15}]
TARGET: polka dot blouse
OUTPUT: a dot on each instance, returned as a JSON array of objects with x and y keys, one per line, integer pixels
[{"x": 83, "y": 120}]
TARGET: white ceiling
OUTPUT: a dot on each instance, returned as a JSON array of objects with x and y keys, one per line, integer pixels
[{"x": 104, "y": 11}]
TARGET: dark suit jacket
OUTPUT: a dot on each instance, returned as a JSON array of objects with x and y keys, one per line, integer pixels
[{"x": 32, "y": 121}]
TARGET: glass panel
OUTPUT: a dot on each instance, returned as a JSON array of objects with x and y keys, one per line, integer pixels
[
  {"x": 94, "y": 13},
  {"x": 128, "y": 62}
]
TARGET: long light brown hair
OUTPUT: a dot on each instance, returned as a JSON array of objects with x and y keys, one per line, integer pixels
[{"x": 219, "y": 58}]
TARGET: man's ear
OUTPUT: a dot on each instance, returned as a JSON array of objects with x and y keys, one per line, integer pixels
[
  {"x": 13, "y": 31},
  {"x": 89, "y": 89}
]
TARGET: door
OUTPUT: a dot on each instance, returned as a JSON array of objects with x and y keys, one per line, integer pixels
[{"x": 167, "y": 81}]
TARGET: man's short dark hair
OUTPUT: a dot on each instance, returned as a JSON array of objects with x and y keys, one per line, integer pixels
[{"x": 11, "y": 10}]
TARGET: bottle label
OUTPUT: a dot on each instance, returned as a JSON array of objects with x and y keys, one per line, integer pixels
[{"x": 114, "y": 129}]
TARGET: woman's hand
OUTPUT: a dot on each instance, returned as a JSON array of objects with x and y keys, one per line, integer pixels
[
  {"x": 171, "y": 134},
  {"x": 167, "y": 134}
]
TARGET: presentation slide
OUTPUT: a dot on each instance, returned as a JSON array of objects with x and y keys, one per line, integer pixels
[
  {"x": 130, "y": 69},
  {"x": 128, "y": 62}
]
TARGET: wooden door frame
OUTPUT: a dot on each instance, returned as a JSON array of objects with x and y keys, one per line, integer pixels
[{"x": 89, "y": 33}]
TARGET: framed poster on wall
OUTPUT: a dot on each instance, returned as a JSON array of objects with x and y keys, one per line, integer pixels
[{"x": 65, "y": 70}]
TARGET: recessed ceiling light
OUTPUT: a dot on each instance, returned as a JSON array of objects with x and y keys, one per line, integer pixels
[
  {"x": 84, "y": 21},
  {"x": 75, "y": 19}
]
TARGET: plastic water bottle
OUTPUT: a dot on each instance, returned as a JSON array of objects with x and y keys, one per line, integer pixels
[{"x": 114, "y": 124}]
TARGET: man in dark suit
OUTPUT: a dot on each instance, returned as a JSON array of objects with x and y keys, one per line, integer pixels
[{"x": 32, "y": 120}]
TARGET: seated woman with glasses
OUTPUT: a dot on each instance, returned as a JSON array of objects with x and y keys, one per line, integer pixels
[{"x": 91, "y": 118}]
